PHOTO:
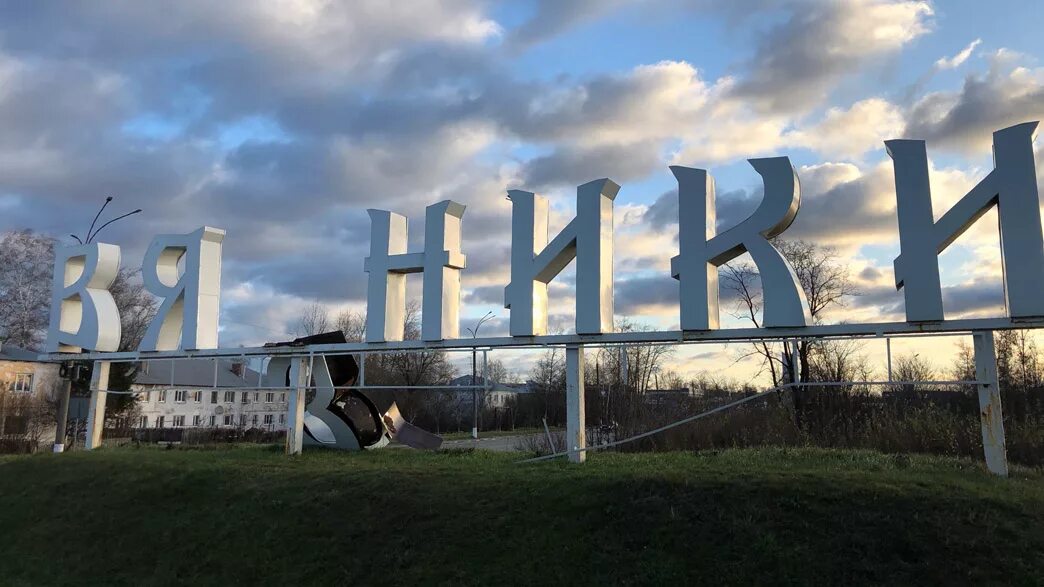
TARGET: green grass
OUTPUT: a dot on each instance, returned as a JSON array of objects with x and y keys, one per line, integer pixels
[{"x": 254, "y": 516}]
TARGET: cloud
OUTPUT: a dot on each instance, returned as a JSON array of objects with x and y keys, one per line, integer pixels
[
  {"x": 965, "y": 120},
  {"x": 851, "y": 132},
  {"x": 282, "y": 122},
  {"x": 577, "y": 165},
  {"x": 958, "y": 59},
  {"x": 552, "y": 17},
  {"x": 646, "y": 295},
  {"x": 797, "y": 62}
]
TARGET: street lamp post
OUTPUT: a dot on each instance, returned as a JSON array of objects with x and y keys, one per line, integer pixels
[{"x": 474, "y": 368}]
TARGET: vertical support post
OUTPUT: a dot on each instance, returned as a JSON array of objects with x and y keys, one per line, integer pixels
[
  {"x": 474, "y": 396},
  {"x": 485, "y": 381},
  {"x": 96, "y": 412},
  {"x": 990, "y": 413},
  {"x": 888, "y": 351},
  {"x": 63, "y": 409},
  {"x": 299, "y": 379},
  {"x": 576, "y": 428}
]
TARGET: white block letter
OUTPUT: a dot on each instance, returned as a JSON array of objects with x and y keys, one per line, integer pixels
[
  {"x": 389, "y": 263},
  {"x": 534, "y": 262},
  {"x": 188, "y": 316},
  {"x": 702, "y": 251},
  {"x": 1011, "y": 186},
  {"x": 83, "y": 313}
]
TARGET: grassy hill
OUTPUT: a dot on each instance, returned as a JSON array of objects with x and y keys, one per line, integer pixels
[{"x": 253, "y": 516}]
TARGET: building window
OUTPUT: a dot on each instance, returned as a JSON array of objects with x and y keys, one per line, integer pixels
[
  {"x": 197, "y": 420},
  {"x": 269, "y": 397},
  {"x": 246, "y": 398},
  {"x": 213, "y": 397},
  {"x": 162, "y": 398},
  {"x": 23, "y": 382},
  {"x": 230, "y": 397},
  {"x": 179, "y": 421},
  {"x": 179, "y": 396},
  {"x": 197, "y": 396},
  {"x": 212, "y": 420},
  {"x": 256, "y": 394},
  {"x": 242, "y": 420},
  {"x": 282, "y": 418},
  {"x": 143, "y": 422},
  {"x": 268, "y": 419},
  {"x": 282, "y": 397},
  {"x": 227, "y": 420},
  {"x": 15, "y": 424},
  {"x": 253, "y": 421},
  {"x": 159, "y": 421}
]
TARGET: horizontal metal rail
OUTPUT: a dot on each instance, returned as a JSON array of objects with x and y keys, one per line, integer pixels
[
  {"x": 191, "y": 388},
  {"x": 821, "y": 331},
  {"x": 194, "y": 388}
]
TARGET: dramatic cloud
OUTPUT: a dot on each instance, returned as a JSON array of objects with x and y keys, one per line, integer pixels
[
  {"x": 965, "y": 120},
  {"x": 799, "y": 61},
  {"x": 283, "y": 121}
]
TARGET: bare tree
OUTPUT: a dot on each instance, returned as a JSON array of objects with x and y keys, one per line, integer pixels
[
  {"x": 352, "y": 324},
  {"x": 1018, "y": 361},
  {"x": 409, "y": 369},
  {"x": 671, "y": 379},
  {"x": 548, "y": 376},
  {"x": 839, "y": 360},
  {"x": 826, "y": 284},
  {"x": 824, "y": 280},
  {"x": 315, "y": 319},
  {"x": 26, "y": 261},
  {"x": 743, "y": 280},
  {"x": 496, "y": 372}
]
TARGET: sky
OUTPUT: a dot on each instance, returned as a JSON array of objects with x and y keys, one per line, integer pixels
[{"x": 283, "y": 121}]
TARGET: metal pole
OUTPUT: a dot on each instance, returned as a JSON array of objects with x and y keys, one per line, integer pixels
[
  {"x": 63, "y": 409},
  {"x": 474, "y": 398},
  {"x": 299, "y": 379},
  {"x": 576, "y": 430},
  {"x": 96, "y": 413},
  {"x": 990, "y": 414},
  {"x": 485, "y": 379},
  {"x": 550, "y": 440},
  {"x": 888, "y": 351}
]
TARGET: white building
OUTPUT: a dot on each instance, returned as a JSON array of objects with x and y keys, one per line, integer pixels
[
  {"x": 27, "y": 385},
  {"x": 499, "y": 395},
  {"x": 199, "y": 396}
]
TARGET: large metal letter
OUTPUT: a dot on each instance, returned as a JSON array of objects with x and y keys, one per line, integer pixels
[
  {"x": 389, "y": 263},
  {"x": 702, "y": 251},
  {"x": 83, "y": 313},
  {"x": 188, "y": 316},
  {"x": 588, "y": 238},
  {"x": 1011, "y": 186}
]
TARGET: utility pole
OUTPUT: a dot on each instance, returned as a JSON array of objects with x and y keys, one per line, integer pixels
[{"x": 474, "y": 373}]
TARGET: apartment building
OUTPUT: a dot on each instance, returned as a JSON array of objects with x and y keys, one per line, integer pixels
[{"x": 194, "y": 393}]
